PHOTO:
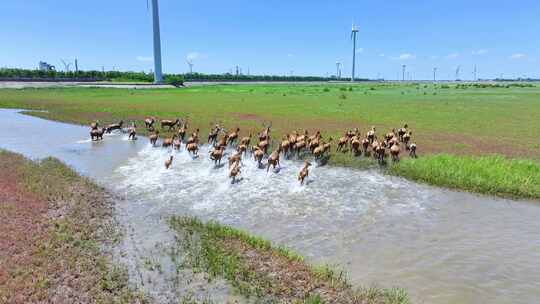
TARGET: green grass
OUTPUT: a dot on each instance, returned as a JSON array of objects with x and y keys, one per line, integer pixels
[
  {"x": 214, "y": 248},
  {"x": 495, "y": 175}
]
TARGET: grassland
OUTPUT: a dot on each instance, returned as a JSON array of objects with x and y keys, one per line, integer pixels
[
  {"x": 55, "y": 226},
  {"x": 454, "y": 119},
  {"x": 256, "y": 269}
]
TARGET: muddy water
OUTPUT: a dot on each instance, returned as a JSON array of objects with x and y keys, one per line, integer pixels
[{"x": 442, "y": 246}]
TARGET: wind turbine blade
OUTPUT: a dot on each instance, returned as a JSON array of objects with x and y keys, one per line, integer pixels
[{"x": 147, "y": 6}]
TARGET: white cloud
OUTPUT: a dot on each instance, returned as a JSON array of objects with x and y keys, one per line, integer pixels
[
  {"x": 382, "y": 55},
  {"x": 359, "y": 50},
  {"x": 452, "y": 56},
  {"x": 434, "y": 57},
  {"x": 518, "y": 56},
  {"x": 479, "y": 52},
  {"x": 145, "y": 58},
  {"x": 194, "y": 56},
  {"x": 290, "y": 55},
  {"x": 406, "y": 56}
]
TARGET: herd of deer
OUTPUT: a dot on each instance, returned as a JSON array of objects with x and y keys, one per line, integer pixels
[{"x": 293, "y": 144}]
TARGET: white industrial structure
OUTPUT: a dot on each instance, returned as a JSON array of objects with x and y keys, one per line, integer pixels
[
  {"x": 45, "y": 67},
  {"x": 158, "y": 75},
  {"x": 354, "y": 31}
]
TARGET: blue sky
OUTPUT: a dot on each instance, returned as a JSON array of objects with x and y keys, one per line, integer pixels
[{"x": 276, "y": 37}]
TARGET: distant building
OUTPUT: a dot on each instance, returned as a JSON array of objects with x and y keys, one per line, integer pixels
[{"x": 43, "y": 66}]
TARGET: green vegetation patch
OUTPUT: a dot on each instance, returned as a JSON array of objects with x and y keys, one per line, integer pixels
[
  {"x": 256, "y": 268},
  {"x": 494, "y": 175}
]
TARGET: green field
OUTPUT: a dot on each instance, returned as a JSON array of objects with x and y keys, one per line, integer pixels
[{"x": 454, "y": 119}]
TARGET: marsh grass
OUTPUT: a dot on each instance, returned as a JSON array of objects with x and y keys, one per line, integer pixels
[
  {"x": 71, "y": 260},
  {"x": 495, "y": 175},
  {"x": 233, "y": 254}
]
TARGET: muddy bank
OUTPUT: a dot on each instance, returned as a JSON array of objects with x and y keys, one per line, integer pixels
[{"x": 57, "y": 231}]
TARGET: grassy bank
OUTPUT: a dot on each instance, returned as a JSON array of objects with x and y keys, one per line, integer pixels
[
  {"x": 494, "y": 175},
  {"x": 259, "y": 270},
  {"x": 444, "y": 118},
  {"x": 55, "y": 229}
]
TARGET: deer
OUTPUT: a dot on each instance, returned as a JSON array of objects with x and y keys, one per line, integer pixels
[
  {"x": 273, "y": 159},
  {"x": 246, "y": 140},
  {"x": 194, "y": 138},
  {"x": 233, "y": 136},
  {"x": 192, "y": 148},
  {"x": 394, "y": 152},
  {"x": 402, "y": 132},
  {"x": 257, "y": 155},
  {"x": 132, "y": 132},
  {"x": 365, "y": 146},
  {"x": 216, "y": 155},
  {"x": 322, "y": 149},
  {"x": 153, "y": 138},
  {"x": 167, "y": 142},
  {"x": 263, "y": 145},
  {"x": 343, "y": 141},
  {"x": 223, "y": 141},
  {"x": 265, "y": 134},
  {"x": 406, "y": 138},
  {"x": 388, "y": 136},
  {"x": 315, "y": 136},
  {"x": 168, "y": 162},
  {"x": 355, "y": 145},
  {"x": 149, "y": 123},
  {"x": 380, "y": 152},
  {"x": 293, "y": 137},
  {"x": 235, "y": 170},
  {"x": 299, "y": 146},
  {"x": 177, "y": 143},
  {"x": 285, "y": 145},
  {"x": 371, "y": 135},
  {"x": 304, "y": 172},
  {"x": 303, "y": 137},
  {"x": 182, "y": 131},
  {"x": 236, "y": 157},
  {"x": 242, "y": 149},
  {"x": 94, "y": 125},
  {"x": 169, "y": 123},
  {"x": 97, "y": 134},
  {"x": 116, "y": 126},
  {"x": 213, "y": 134},
  {"x": 412, "y": 150}
]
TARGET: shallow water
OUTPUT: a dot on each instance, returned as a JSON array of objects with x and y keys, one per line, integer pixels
[{"x": 442, "y": 246}]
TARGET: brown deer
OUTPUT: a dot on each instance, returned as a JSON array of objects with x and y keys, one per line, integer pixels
[
  {"x": 343, "y": 141},
  {"x": 273, "y": 159},
  {"x": 302, "y": 137},
  {"x": 263, "y": 145},
  {"x": 304, "y": 172},
  {"x": 371, "y": 136},
  {"x": 149, "y": 123},
  {"x": 167, "y": 142},
  {"x": 94, "y": 125},
  {"x": 168, "y": 162},
  {"x": 132, "y": 132},
  {"x": 213, "y": 134},
  {"x": 299, "y": 147},
  {"x": 402, "y": 132},
  {"x": 192, "y": 148},
  {"x": 236, "y": 157},
  {"x": 246, "y": 140},
  {"x": 406, "y": 138},
  {"x": 365, "y": 145},
  {"x": 412, "y": 150},
  {"x": 177, "y": 143},
  {"x": 265, "y": 134},
  {"x": 285, "y": 145},
  {"x": 153, "y": 138},
  {"x": 216, "y": 155},
  {"x": 97, "y": 134},
  {"x": 322, "y": 149},
  {"x": 355, "y": 145},
  {"x": 233, "y": 136},
  {"x": 116, "y": 126},
  {"x": 235, "y": 170},
  {"x": 223, "y": 141},
  {"x": 394, "y": 152},
  {"x": 182, "y": 131},
  {"x": 242, "y": 149},
  {"x": 257, "y": 155},
  {"x": 170, "y": 124},
  {"x": 194, "y": 138}
]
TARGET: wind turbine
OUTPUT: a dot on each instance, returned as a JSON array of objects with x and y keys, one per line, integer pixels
[
  {"x": 190, "y": 63},
  {"x": 338, "y": 70},
  {"x": 457, "y": 72},
  {"x": 66, "y": 65},
  {"x": 158, "y": 76},
  {"x": 354, "y": 31}
]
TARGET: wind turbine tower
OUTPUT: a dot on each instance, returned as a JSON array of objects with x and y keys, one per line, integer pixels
[
  {"x": 474, "y": 72},
  {"x": 354, "y": 31},
  {"x": 190, "y": 63},
  {"x": 434, "y": 74},
  {"x": 403, "y": 67},
  {"x": 338, "y": 70},
  {"x": 158, "y": 76},
  {"x": 457, "y": 72}
]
